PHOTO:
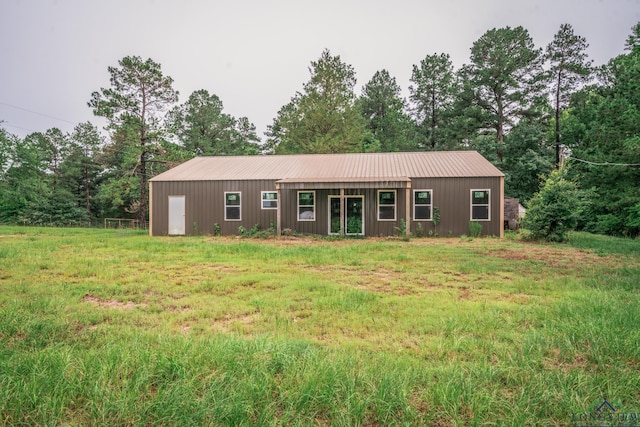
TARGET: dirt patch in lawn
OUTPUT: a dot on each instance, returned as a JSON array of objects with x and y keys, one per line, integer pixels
[
  {"x": 195, "y": 273},
  {"x": 552, "y": 257},
  {"x": 110, "y": 303},
  {"x": 555, "y": 361},
  {"x": 226, "y": 322},
  {"x": 517, "y": 298}
]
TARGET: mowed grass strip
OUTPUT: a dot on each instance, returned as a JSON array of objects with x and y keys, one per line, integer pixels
[{"x": 114, "y": 327}]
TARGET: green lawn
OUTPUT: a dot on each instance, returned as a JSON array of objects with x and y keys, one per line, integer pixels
[{"x": 112, "y": 327}]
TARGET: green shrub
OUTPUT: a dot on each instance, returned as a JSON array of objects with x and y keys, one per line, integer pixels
[
  {"x": 244, "y": 232},
  {"x": 554, "y": 210},
  {"x": 475, "y": 229},
  {"x": 436, "y": 220},
  {"x": 633, "y": 219},
  {"x": 256, "y": 233}
]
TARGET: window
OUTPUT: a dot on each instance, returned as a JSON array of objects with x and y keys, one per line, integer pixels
[
  {"x": 422, "y": 206},
  {"x": 480, "y": 203},
  {"x": 386, "y": 205},
  {"x": 269, "y": 200},
  {"x": 306, "y": 205},
  {"x": 232, "y": 207}
]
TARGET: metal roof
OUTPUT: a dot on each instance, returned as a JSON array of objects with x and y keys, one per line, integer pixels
[{"x": 334, "y": 167}]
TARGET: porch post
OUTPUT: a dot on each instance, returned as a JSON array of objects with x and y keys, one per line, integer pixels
[
  {"x": 278, "y": 214},
  {"x": 407, "y": 212},
  {"x": 343, "y": 231}
]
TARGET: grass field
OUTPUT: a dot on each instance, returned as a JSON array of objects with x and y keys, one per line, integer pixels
[{"x": 109, "y": 327}]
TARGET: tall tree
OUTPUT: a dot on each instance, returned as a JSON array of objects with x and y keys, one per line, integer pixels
[
  {"x": 467, "y": 119},
  {"x": 324, "y": 117},
  {"x": 248, "y": 141},
  {"x": 433, "y": 91},
  {"x": 8, "y": 161},
  {"x": 506, "y": 74},
  {"x": 56, "y": 148},
  {"x": 633, "y": 41},
  {"x": 528, "y": 156},
  {"x": 7, "y": 150},
  {"x": 383, "y": 109},
  {"x": 205, "y": 130},
  {"x": 569, "y": 69},
  {"x": 25, "y": 182},
  {"x": 137, "y": 99},
  {"x": 81, "y": 167},
  {"x": 603, "y": 122}
]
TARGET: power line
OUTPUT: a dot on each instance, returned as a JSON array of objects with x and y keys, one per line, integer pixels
[
  {"x": 602, "y": 163},
  {"x": 35, "y": 112},
  {"x": 16, "y": 127}
]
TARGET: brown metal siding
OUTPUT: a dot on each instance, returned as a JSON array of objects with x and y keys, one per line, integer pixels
[
  {"x": 204, "y": 205},
  {"x": 453, "y": 197},
  {"x": 203, "y": 182}
]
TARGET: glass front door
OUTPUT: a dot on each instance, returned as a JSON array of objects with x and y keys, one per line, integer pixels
[{"x": 353, "y": 215}]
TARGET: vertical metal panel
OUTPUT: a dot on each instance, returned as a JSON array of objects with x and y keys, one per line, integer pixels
[
  {"x": 150, "y": 208},
  {"x": 501, "y": 196}
]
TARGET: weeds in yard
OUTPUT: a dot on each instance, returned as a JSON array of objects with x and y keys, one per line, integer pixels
[
  {"x": 475, "y": 229},
  {"x": 114, "y": 327}
]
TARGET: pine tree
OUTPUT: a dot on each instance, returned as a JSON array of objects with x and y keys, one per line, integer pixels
[{"x": 324, "y": 117}]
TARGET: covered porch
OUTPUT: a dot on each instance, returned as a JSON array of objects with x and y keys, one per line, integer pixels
[{"x": 342, "y": 204}]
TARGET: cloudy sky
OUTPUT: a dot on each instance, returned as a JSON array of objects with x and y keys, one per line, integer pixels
[{"x": 255, "y": 54}]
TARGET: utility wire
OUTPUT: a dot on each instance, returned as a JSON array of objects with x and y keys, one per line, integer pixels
[
  {"x": 603, "y": 163},
  {"x": 35, "y": 112},
  {"x": 17, "y": 127}
]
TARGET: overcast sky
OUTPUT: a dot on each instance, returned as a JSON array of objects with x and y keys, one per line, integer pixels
[{"x": 255, "y": 54}]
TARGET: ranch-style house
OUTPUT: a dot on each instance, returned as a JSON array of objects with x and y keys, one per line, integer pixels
[{"x": 364, "y": 194}]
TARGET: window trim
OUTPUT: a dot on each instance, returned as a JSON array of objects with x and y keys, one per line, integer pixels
[
  {"x": 239, "y": 206},
  {"x": 394, "y": 205},
  {"x": 262, "y": 200},
  {"x": 299, "y": 205},
  {"x": 422, "y": 204},
  {"x": 488, "y": 205}
]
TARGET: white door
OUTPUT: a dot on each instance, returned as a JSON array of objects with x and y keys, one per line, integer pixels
[{"x": 176, "y": 215}]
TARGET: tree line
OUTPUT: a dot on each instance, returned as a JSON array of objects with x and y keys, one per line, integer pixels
[{"x": 529, "y": 110}]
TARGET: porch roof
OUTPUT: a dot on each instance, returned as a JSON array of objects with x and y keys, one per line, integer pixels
[{"x": 325, "y": 183}]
